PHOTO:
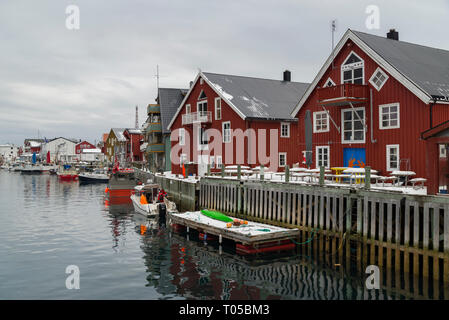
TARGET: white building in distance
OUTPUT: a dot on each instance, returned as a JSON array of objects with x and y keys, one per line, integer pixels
[
  {"x": 8, "y": 152},
  {"x": 61, "y": 149}
]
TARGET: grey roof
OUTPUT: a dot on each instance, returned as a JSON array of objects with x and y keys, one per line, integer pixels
[
  {"x": 259, "y": 98},
  {"x": 427, "y": 67},
  {"x": 119, "y": 133},
  {"x": 169, "y": 101}
]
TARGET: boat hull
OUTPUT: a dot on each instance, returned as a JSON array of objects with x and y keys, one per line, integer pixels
[
  {"x": 148, "y": 210},
  {"x": 87, "y": 179},
  {"x": 67, "y": 177}
]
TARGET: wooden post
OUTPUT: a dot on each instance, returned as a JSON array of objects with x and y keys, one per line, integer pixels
[
  {"x": 222, "y": 171},
  {"x": 321, "y": 175},
  {"x": 368, "y": 178},
  {"x": 208, "y": 170},
  {"x": 287, "y": 173},
  {"x": 239, "y": 172},
  {"x": 262, "y": 175}
]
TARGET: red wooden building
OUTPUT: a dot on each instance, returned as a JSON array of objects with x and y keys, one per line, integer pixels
[
  {"x": 83, "y": 145},
  {"x": 230, "y": 120},
  {"x": 371, "y": 101},
  {"x": 134, "y": 139}
]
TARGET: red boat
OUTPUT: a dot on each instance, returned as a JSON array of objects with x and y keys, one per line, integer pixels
[{"x": 67, "y": 176}]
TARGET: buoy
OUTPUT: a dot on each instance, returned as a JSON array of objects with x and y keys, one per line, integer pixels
[
  {"x": 106, "y": 190},
  {"x": 143, "y": 229},
  {"x": 228, "y": 225}
]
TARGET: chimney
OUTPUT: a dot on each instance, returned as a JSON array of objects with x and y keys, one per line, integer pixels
[
  {"x": 393, "y": 34},
  {"x": 191, "y": 83},
  {"x": 287, "y": 75}
]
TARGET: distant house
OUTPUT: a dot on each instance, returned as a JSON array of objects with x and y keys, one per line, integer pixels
[
  {"x": 374, "y": 103},
  {"x": 223, "y": 119},
  {"x": 61, "y": 149},
  {"x": 91, "y": 155},
  {"x": 83, "y": 145},
  {"x": 8, "y": 152},
  {"x": 115, "y": 146},
  {"x": 133, "y": 141},
  {"x": 157, "y": 134},
  {"x": 32, "y": 146}
]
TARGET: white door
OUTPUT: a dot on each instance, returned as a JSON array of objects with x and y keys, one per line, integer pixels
[{"x": 203, "y": 161}]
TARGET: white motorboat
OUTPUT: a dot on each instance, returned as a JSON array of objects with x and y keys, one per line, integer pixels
[
  {"x": 145, "y": 201},
  {"x": 94, "y": 177},
  {"x": 32, "y": 168}
]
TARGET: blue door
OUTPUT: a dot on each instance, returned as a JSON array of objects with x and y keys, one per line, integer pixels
[{"x": 354, "y": 157}]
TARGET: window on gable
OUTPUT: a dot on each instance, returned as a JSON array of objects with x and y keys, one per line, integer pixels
[
  {"x": 389, "y": 116},
  {"x": 352, "y": 69},
  {"x": 329, "y": 83},
  {"x": 226, "y": 132},
  {"x": 217, "y": 109},
  {"x": 188, "y": 108},
  {"x": 378, "y": 79},
  {"x": 202, "y": 95}
]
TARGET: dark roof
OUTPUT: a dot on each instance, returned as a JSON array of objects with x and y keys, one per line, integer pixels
[
  {"x": 169, "y": 100},
  {"x": 427, "y": 67},
  {"x": 259, "y": 98},
  {"x": 37, "y": 140},
  {"x": 119, "y": 133}
]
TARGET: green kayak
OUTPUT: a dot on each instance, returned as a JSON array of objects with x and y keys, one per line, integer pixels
[{"x": 216, "y": 215}]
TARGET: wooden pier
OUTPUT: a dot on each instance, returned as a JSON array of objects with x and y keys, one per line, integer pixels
[{"x": 406, "y": 236}]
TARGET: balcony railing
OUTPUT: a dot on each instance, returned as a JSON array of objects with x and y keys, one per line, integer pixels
[
  {"x": 197, "y": 117},
  {"x": 154, "y": 127},
  {"x": 156, "y": 148},
  {"x": 343, "y": 94}
]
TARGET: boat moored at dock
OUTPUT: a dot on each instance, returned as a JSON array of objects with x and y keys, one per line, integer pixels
[
  {"x": 98, "y": 176},
  {"x": 150, "y": 200}
]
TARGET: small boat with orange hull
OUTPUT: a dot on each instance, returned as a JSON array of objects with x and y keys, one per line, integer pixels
[{"x": 121, "y": 183}]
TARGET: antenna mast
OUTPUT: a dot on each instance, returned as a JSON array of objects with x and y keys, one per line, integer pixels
[
  {"x": 333, "y": 28},
  {"x": 137, "y": 117}
]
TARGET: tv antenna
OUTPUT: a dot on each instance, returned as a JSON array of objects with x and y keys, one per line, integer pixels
[{"x": 333, "y": 29}]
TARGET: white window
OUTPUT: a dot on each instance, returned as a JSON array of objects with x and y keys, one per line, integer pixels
[
  {"x": 203, "y": 140},
  {"x": 392, "y": 157},
  {"x": 389, "y": 116},
  {"x": 353, "y": 125},
  {"x": 443, "y": 152},
  {"x": 352, "y": 69},
  {"x": 182, "y": 136},
  {"x": 378, "y": 79},
  {"x": 219, "y": 162},
  {"x": 226, "y": 132},
  {"x": 182, "y": 159},
  {"x": 282, "y": 159},
  {"x": 329, "y": 82},
  {"x": 320, "y": 122},
  {"x": 285, "y": 130},
  {"x": 217, "y": 109},
  {"x": 188, "y": 108},
  {"x": 202, "y": 107},
  {"x": 322, "y": 156},
  {"x": 212, "y": 162}
]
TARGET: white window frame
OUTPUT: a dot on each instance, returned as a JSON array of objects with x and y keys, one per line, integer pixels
[
  {"x": 182, "y": 137},
  {"x": 223, "y": 133},
  {"x": 371, "y": 80},
  {"x": 200, "y": 103},
  {"x": 352, "y": 66},
  {"x": 188, "y": 108},
  {"x": 217, "y": 102},
  {"x": 381, "y": 126},
  {"x": 442, "y": 150},
  {"x": 343, "y": 141},
  {"x": 327, "y": 81},
  {"x": 202, "y": 146},
  {"x": 212, "y": 162},
  {"x": 288, "y": 129},
  {"x": 317, "y": 155},
  {"x": 201, "y": 81},
  {"x": 219, "y": 162},
  {"x": 285, "y": 159},
  {"x": 315, "y": 130},
  {"x": 389, "y": 146}
]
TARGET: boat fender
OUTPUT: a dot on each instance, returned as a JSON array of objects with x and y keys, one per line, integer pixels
[
  {"x": 106, "y": 190},
  {"x": 143, "y": 199}
]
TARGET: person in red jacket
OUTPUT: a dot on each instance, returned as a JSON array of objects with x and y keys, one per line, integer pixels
[{"x": 161, "y": 195}]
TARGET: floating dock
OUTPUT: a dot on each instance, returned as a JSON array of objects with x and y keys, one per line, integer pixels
[{"x": 250, "y": 238}]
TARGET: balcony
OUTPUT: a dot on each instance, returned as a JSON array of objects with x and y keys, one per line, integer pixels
[
  {"x": 343, "y": 94},
  {"x": 156, "y": 148},
  {"x": 197, "y": 117},
  {"x": 153, "y": 108},
  {"x": 154, "y": 127}
]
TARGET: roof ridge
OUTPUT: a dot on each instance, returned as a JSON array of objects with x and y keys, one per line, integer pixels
[
  {"x": 234, "y": 75},
  {"x": 401, "y": 41}
]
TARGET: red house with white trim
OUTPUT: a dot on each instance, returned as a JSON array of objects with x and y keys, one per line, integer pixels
[
  {"x": 83, "y": 145},
  {"x": 228, "y": 119},
  {"x": 370, "y": 103},
  {"x": 134, "y": 139}
]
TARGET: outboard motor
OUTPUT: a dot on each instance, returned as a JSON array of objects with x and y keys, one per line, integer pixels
[{"x": 162, "y": 213}]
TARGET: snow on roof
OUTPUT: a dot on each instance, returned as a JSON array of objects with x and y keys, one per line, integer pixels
[{"x": 35, "y": 144}]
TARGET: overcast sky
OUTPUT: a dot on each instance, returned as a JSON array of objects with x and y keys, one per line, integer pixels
[{"x": 80, "y": 83}]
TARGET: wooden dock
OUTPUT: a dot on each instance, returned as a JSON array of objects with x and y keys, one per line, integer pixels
[{"x": 253, "y": 234}]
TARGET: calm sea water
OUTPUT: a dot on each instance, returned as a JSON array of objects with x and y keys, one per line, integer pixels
[{"x": 47, "y": 225}]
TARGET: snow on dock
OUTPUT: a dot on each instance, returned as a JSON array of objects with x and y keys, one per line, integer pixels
[{"x": 251, "y": 233}]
